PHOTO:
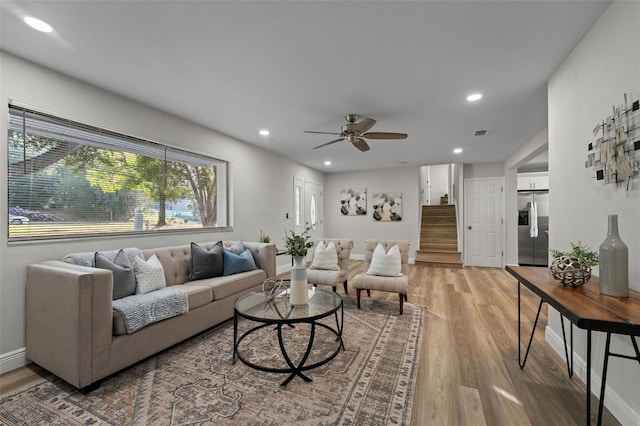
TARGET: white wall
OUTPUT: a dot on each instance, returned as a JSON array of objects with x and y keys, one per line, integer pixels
[
  {"x": 581, "y": 92},
  {"x": 258, "y": 179},
  {"x": 484, "y": 170},
  {"x": 361, "y": 228}
]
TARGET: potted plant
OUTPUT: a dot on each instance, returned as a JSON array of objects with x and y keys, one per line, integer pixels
[
  {"x": 297, "y": 245},
  {"x": 264, "y": 238},
  {"x": 573, "y": 267}
]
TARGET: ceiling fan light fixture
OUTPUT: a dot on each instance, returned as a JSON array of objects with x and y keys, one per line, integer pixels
[
  {"x": 38, "y": 24},
  {"x": 474, "y": 97}
]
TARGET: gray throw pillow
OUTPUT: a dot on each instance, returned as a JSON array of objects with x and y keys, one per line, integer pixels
[
  {"x": 206, "y": 263},
  {"x": 124, "y": 280}
]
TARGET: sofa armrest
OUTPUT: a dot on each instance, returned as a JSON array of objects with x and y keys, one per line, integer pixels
[
  {"x": 265, "y": 256},
  {"x": 69, "y": 318}
]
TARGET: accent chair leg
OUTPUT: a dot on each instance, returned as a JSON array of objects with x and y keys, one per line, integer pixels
[
  {"x": 335, "y": 290},
  {"x": 358, "y": 298},
  {"x": 401, "y": 302},
  {"x": 368, "y": 293},
  {"x": 405, "y": 298},
  {"x": 345, "y": 287}
]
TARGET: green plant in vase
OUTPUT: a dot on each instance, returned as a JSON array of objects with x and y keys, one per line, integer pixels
[
  {"x": 297, "y": 245},
  {"x": 264, "y": 238}
]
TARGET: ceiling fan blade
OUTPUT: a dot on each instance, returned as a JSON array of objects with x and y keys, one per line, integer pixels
[
  {"x": 384, "y": 135},
  {"x": 361, "y": 144},
  {"x": 329, "y": 143},
  {"x": 321, "y": 133},
  {"x": 364, "y": 125}
]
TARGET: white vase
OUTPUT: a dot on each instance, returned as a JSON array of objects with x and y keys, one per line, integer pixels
[
  {"x": 298, "y": 294},
  {"x": 614, "y": 262}
]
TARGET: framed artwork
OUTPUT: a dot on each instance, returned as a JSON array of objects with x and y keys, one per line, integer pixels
[
  {"x": 615, "y": 154},
  {"x": 387, "y": 207},
  {"x": 353, "y": 202}
]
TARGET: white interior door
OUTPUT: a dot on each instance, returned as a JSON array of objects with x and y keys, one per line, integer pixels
[
  {"x": 483, "y": 222},
  {"x": 313, "y": 209}
]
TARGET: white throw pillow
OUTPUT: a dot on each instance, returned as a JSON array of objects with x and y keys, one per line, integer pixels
[
  {"x": 149, "y": 274},
  {"x": 386, "y": 264},
  {"x": 325, "y": 257}
]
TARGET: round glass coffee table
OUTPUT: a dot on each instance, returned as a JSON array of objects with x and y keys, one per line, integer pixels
[{"x": 278, "y": 312}]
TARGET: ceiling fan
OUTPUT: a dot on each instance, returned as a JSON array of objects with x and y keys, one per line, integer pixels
[{"x": 356, "y": 133}]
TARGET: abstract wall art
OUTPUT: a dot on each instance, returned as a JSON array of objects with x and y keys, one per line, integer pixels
[
  {"x": 387, "y": 207},
  {"x": 353, "y": 202}
]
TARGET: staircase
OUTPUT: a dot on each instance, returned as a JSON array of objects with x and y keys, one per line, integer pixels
[{"x": 439, "y": 237}]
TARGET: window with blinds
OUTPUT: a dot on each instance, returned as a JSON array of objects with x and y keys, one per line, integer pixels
[{"x": 69, "y": 179}]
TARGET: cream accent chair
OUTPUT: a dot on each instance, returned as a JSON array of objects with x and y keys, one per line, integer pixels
[
  {"x": 397, "y": 284},
  {"x": 333, "y": 278}
]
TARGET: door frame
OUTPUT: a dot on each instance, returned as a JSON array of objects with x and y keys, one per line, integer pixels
[{"x": 299, "y": 200}]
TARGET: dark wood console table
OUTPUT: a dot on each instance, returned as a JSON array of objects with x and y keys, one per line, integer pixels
[{"x": 585, "y": 307}]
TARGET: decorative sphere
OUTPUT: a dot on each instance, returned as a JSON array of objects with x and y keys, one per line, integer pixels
[{"x": 570, "y": 270}]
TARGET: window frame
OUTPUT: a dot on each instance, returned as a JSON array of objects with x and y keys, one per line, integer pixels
[{"x": 177, "y": 154}]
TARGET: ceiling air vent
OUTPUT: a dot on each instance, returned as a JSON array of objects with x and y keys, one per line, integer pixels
[{"x": 481, "y": 132}]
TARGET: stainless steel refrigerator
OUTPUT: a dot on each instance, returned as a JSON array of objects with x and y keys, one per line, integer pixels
[{"x": 533, "y": 250}]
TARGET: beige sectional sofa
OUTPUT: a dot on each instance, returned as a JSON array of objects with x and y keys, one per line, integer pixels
[{"x": 74, "y": 332}]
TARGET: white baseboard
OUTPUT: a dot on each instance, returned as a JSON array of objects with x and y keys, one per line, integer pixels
[
  {"x": 12, "y": 360},
  {"x": 612, "y": 400}
]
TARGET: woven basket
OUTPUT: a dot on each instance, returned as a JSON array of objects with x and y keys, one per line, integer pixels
[{"x": 570, "y": 271}]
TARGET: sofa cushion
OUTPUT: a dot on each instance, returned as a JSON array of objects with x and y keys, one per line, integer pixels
[
  {"x": 124, "y": 281},
  {"x": 385, "y": 264},
  {"x": 229, "y": 285},
  {"x": 149, "y": 274},
  {"x": 235, "y": 263},
  {"x": 206, "y": 263},
  {"x": 325, "y": 256}
]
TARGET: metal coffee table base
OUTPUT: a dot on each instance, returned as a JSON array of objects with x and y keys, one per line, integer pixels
[{"x": 293, "y": 369}]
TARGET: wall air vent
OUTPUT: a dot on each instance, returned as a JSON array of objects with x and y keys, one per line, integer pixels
[{"x": 481, "y": 132}]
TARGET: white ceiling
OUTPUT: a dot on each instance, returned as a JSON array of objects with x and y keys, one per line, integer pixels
[{"x": 288, "y": 66}]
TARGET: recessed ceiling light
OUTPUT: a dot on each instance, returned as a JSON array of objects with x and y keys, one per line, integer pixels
[
  {"x": 264, "y": 132},
  {"x": 327, "y": 163},
  {"x": 474, "y": 97},
  {"x": 457, "y": 151},
  {"x": 38, "y": 24}
]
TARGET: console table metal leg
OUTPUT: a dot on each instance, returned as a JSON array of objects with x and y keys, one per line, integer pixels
[
  {"x": 533, "y": 330},
  {"x": 566, "y": 353},
  {"x": 588, "y": 377},
  {"x": 607, "y": 354}
]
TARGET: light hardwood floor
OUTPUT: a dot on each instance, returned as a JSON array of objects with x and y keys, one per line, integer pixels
[{"x": 468, "y": 372}]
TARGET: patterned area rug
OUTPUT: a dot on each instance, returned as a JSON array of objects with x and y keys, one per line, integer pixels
[{"x": 195, "y": 382}]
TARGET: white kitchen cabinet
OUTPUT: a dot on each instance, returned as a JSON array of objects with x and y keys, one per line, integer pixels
[{"x": 533, "y": 181}]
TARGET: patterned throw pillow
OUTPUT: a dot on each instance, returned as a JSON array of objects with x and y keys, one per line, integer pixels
[
  {"x": 149, "y": 274},
  {"x": 234, "y": 263},
  {"x": 325, "y": 257},
  {"x": 236, "y": 248},
  {"x": 124, "y": 282},
  {"x": 206, "y": 263},
  {"x": 386, "y": 264}
]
